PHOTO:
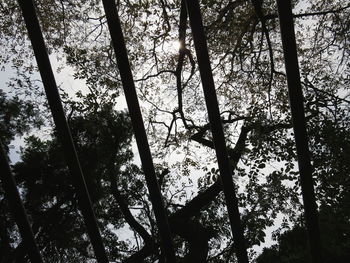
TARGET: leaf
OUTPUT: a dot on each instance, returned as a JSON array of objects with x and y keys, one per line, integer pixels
[{"x": 261, "y": 166}]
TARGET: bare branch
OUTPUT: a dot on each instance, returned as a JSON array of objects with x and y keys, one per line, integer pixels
[{"x": 326, "y": 12}]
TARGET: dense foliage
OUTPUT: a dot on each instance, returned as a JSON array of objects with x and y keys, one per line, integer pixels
[{"x": 247, "y": 62}]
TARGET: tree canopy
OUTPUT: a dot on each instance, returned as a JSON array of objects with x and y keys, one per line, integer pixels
[{"x": 247, "y": 62}]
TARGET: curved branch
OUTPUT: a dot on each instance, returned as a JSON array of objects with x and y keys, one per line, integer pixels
[
  {"x": 181, "y": 219},
  {"x": 129, "y": 218},
  {"x": 156, "y": 75},
  {"x": 326, "y": 12}
]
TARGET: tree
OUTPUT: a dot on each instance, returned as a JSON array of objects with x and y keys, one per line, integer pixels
[
  {"x": 292, "y": 244},
  {"x": 247, "y": 62},
  {"x": 18, "y": 117},
  {"x": 103, "y": 140}
]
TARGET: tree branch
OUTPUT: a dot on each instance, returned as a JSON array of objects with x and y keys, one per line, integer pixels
[
  {"x": 129, "y": 218},
  {"x": 180, "y": 222},
  {"x": 333, "y": 11}
]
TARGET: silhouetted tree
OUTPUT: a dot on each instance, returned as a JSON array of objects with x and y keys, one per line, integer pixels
[{"x": 247, "y": 61}]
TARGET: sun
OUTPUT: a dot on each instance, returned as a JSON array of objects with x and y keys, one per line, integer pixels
[
  {"x": 176, "y": 44},
  {"x": 172, "y": 46}
]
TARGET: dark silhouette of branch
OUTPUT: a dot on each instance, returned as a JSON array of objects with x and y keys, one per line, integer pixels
[
  {"x": 156, "y": 75},
  {"x": 258, "y": 10},
  {"x": 129, "y": 218},
  {"x": 333, "y": 11},
  {"x": 181, "y": 223},
  {"x": 180, "y": 220},
  {"x": 309, "y": 84},
  {"x": 183, "y": 52}
]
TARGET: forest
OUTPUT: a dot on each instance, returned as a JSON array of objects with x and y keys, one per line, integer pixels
[{"x": 247, "y": 62}]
